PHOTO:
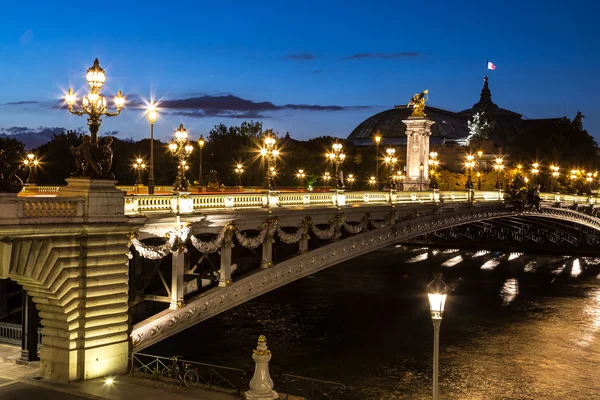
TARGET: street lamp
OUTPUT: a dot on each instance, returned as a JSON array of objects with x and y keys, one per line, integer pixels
[
  {"x": 337, "y": 157},
  {"x": 433, "y": 164},
  {"x": 478, "y": 180},
  {"x": 377, "y": 138},
  {"x": 201, "y": 144},
  {"x": 239, "y": 170},
  {"x": 535, "y": 170},
  {"x": 390, "y": 161},
  {"x": 181, "y": 148},
  {"x": 270, "y": 153},
  {"x": 421, "y": 168},
  {"x": 300, "y": 175},
  {"x": 399, "y": 178},
  {"x": 139, "y": 165},
  {"x": 326, "y": 178},
  {"x": 372, "y": 182},
  {"x": 152, "y": 117},
  {"x": 555, "y": 175},
  {"x": 94, "y": 104},
  {"x": 469, "y": 164},
  {"x": 437, "y": 292},
  {"x": 499, "y": 166},
  {"x": 351, "y": 179},
  {"x": 31, "y": 163}
]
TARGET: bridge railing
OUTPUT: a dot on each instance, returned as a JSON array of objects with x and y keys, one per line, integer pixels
[
  {"x": 13, "y": 334},
  {"x": 44, "y": 207},
  {"x": 214, "y": 377},
  {"x": 188, "y": 203},
  {"x": 300, "y": 387}
]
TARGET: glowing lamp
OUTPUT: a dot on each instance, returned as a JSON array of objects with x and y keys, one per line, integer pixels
[{"x": 437, "y": 291}]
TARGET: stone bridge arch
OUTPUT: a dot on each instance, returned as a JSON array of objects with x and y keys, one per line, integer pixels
[
  {"x": 77, "y": 276},
  {"x": 220, "y": 299}
]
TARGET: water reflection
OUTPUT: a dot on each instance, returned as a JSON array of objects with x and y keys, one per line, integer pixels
[
  {"x": 453, "y": 261},
  {"x": 509, "y": 291},
  {"x": 490, "y": 264},
  {"x": 575, "y": 268}
]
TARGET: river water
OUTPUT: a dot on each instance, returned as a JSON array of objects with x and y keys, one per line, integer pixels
[{"x": 516, "y": 330}]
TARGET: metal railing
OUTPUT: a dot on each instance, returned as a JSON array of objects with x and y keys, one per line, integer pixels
[
  {"x": 213, "y": 377},
  {"x": 13, "y": 334},
  {"x": 300, "y": 387}
]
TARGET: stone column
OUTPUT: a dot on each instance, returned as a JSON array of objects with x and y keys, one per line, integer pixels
[
  {"x": 177, "y": 284},
  {"x": 29, "y": 327},
  {"x": 261, "y": 384},
  {"x": 267, "y": 252},
  {"x": 226, "y": 269},
  {"x": 418, "y": 131}
]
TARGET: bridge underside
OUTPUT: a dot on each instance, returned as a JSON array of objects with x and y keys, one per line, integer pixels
[{"x": 489, "y": 224}]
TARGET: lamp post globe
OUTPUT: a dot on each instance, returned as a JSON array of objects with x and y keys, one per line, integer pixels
[
  {"x": 437, "y": 292},
  {"x": 181, "y": 149},
  {"x": 152, "y": 114}
]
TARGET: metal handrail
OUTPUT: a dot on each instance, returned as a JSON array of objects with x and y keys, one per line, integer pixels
[
  {"x": 13, "y": 334},
  {"x": 311, "y": 389},
  {"x": 210, "y": 376}
]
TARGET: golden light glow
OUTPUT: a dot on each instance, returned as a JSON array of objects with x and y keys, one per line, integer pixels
[
  {"x": 201, "y": 142},
  {"x": 152, "y": 113},
  {"x": 70, "y": 97},
  {"x": 480, "y": 153},
  {"x": 377, "y": 138}
]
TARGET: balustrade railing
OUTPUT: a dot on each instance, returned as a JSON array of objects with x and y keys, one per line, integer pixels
[
  {"x": 49, "y": 207},
  {"x": 214, "y": 377},
  {"x": 13, "y": 333},
  {"x": 300, "y": 387}
]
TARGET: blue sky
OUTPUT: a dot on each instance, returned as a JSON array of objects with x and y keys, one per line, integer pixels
[{"x": 359, "y": 57}]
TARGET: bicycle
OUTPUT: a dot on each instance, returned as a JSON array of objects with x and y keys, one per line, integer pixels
[{"x": 189, "y": 376}]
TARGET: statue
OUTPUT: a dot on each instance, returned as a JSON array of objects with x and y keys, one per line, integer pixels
[
  {"x": 213, "y": 181},
  {"x": 418, "y": 104},
  {"x": 10, "y": 181},
  {"x": 93, "y": 160}
]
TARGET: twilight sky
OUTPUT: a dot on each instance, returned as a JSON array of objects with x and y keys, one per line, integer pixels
[{"x": 311, "y": 68}]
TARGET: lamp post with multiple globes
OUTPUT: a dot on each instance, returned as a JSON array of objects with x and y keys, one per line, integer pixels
[
  {"x": 434, "y": 162},
  {"x": 152, "y": 117},
  {"x": 181, "y": 148},
  {"x": 437, "y": 292},
  {"x": 31, "y": 163},
  {"x": 535, "y": 170},
  {"x": 93, "y": 104},
  {"x": 201, "y": 144},
  {"x": 326, "y": 178},
  {"x": 270, "y": 153},
  {"x": 469, "y": 164},
  {"x": 372, "y": 182},
  {"x": 554, "y": 176},
  {"x": 377, "y": 139},
  {"x": 337, "y": 157},
  {"x": 239, "y": 170},
  {"x": 351, "y": 179},
  {"x": 499, "y": 166},
  {"x": 399, "y": 177},
  {"x": 301, "y": 175},
  {"x": 139, "y": 165},
  {"x": 390, "y": 161}
]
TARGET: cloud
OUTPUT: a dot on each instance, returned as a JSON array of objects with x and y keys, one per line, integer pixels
[
  {"x": 16, "y": 103},
  {"x": 301, "y": 56},
  {"x": 230, "y": 106},
  {"x": 381, "y": 55},
  {"x": 26, "y": 37},
  {"x": 35, "y": 137}
]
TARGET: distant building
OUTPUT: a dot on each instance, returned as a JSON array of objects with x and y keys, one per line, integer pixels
[{"x": 451, "y": 136}]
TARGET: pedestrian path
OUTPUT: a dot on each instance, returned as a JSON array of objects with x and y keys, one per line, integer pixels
[{"x": 22, "y": 382}]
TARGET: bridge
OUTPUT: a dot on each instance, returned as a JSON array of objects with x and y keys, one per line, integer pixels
[{"x": 86, "y": 254}]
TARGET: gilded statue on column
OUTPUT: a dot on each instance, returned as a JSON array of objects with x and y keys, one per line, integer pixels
[{"x": 418, "y": 103}]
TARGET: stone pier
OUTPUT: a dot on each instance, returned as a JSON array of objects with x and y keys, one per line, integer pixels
[{"x": 418, "y": 131}]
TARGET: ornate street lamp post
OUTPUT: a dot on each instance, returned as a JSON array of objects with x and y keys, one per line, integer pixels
[
  {"x": 31, "y": 163},
  {"x": 326, "y": 178},
  {"x": 437, "y": 292},
  {"x": 421, "y": 168},
  {"x": 555, "y": 174},
  {"x": 181, "y": 148},
  {"x": 535, "y": 170},
  {"x": 152, "y": 117},
  {"x": 337, "y": 157},
  {"x": 433, "y": 164},
  {"x": 499, "y": 166},
  {"x": 377, "y": 138},
  {"x": 372, "y": 182},
  {"x": 201, "y": 144},
  {"x": 351, "y": 179},
  {"x": 270, "y": 153},
  {"x": 390, "y": 161},
  {"x": 469, "y": 165},
  {"x": 94, "y": 105},
  {"x": 139, "y": 165},
  {"x": 301, "y": 175},
  {"x": 399, "y": 177},
  {"x": 239, "y": 170}
]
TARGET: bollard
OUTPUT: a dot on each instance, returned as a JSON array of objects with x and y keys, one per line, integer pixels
[{"x": 261, "y": 384}]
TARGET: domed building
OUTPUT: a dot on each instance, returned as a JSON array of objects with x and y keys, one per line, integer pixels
[{"x": 450, "y": 134}]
